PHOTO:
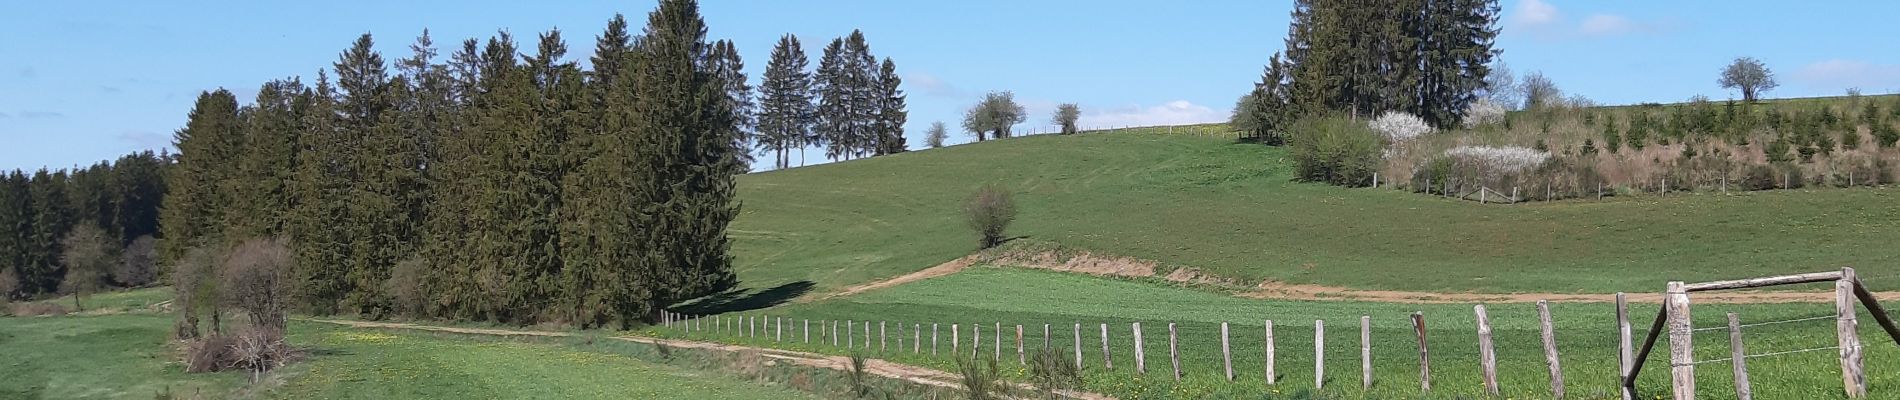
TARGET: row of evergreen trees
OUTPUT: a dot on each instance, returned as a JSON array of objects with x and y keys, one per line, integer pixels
[
  {"x": 851, "y": 106},
  {"x": 501, "y": 185},
  {"x": 37, "y": 211},
  {"x": 1424, "y": 57}
]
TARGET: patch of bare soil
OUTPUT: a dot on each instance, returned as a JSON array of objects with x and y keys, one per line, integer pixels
[{"x": 908, "y": 373}]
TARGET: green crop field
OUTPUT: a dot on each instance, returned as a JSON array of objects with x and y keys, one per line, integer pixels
[
  {"x": 1586, "y": 337},
  {"x": 1203, "y": 201}
]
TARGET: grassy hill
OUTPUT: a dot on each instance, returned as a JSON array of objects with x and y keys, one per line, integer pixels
[{"x": 1203, "y": 201}]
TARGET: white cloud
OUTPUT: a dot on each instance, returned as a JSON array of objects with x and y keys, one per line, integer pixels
[
  {"x": 1178, "y": 112},
  {"x": 1609, "y": 25},
  {"x": 930, "y": 85},
  {"x": 1839, "y": 74},
  {"x": 1532, "y": 13}
]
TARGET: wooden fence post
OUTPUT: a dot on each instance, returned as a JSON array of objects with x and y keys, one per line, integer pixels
[
  {"x": 1738, "y": 358},
  {"x": 1487, "y": 355},
  {"x": 778, "y": 332},
  {"x": 1319, "y": 354},
  {"x": 1846, "y": 326},
  {"x": 1107, "y": 363},
  {"x": 881, "y": 343},
  {"x": 867, "y": 335},
  {"x": 1681, "y": 342},
  {"x": 1623, "y": 346},
  {"x": 1078, "y": 345},
  {"x": 1020, "y": 359},
  {"x": 933, "y": 339},
  {"x": 1226, "y": 352},
  {"x": 1141, "y": 356},
  {"x": 997, "y": 331},
  {"x": 954, "y": 341},
  {"x": 849, "y": 341},
  {"x": 976, "y": 341},
  {"x": 834, "y": 333},
  {"x": 1174, "y": 353},
  {"x": 1424, "y": 354},
  {"x": 1550, "y": 350},
  {"x": 917, "y": 338},
  {"x": 1271, "y": 378},
  {"x": 1365, "y": 352}
]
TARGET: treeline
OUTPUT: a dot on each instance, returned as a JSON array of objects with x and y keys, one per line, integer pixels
[
  {"x": 1427, "y": 58},
  {"x": 851, "y": 105},
  {"x": 38, "y": 211},
  {"x": 501, "y": 184}
]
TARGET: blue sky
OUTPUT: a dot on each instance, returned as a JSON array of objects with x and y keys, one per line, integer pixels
[{"x": 82, "y": 81}]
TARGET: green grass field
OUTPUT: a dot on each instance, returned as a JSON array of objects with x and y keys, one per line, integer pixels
[
  {"x": 1586, "y": 337},
  {"x": 1231, "y": 209}
]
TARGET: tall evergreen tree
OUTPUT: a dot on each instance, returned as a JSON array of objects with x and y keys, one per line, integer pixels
[
  {"x": 386, "y": 165},
  {"x": 323, "y": 189},
  {"x": 889, "y": 124},
  {"x": 266, "y": 163},
  {"x": 730, "y": 68},
  {"x": 683, "y": 118},
  {"x": 194, "y": 205},
  {"x": 53, "y": 215},
  {"x": 454, "y": 179},
  {"x": 833, "y": 129},
  {"x": 785, "y": 102},
  {"x": 139, "y": 186},
  {"x": 16, "y": 225},
  {"x": 600, "y": 254}
]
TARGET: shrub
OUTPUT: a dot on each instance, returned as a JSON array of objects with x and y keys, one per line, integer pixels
[
  {"x": 981, "y": 379},
  {"x": 38, "y": 308},
  {"x": 195, "y": 291},
  {"x": 860, "y": 378},
  {"x": 1760, "y": 177},
  {"x": 138, "y": 264},
  {"x": 404, "y": 287},
  {"x": 1335, "y": 150},
  {"x": 1399, "y": 126},
  {"x": 89, "y": 255},
  {"x": 989, "y": 212},
  {"x": 1483, "y": 112},
  {"x": 255, "y": 279},
  {"x": 259, "y": 349},
  {"x": 1507, "y": 159},
  {"x": 1054, "y": 372}
]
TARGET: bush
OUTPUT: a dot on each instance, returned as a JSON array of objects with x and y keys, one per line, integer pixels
[
  {"x": 212, "y": 353},
  {"x": 34, "y": 309},
  {"x": 989, "y": 212},
  {"x": 1053, "y": 371},
  {"x": 1336, "y": 151},
  {"x": 195, "y": 291},
  {"x": 255, "y": 279},
  {"x": 138, "y": 264},
  {"x": 1399, "y": 126},
  {"x": 259, "y": 349},
  {"x": 1483, "y": 112},
  {"x": 981, "y": 379},
  {"x": 1761, "y": 177},
  {"x": 404, "y": 288}
]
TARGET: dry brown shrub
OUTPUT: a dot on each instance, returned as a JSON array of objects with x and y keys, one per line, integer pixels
[
  {"x": 211, "y": 353},
  {"x": 35, "y": 309},
  {"x": 255, "y": 279}
]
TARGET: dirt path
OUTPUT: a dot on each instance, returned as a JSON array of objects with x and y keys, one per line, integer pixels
[
  {"x": 908, "y": 373},
  {"x": 1086, "y": 263}
]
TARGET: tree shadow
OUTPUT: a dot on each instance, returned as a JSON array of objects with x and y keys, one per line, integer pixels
[{"x": 745, "y": 299}]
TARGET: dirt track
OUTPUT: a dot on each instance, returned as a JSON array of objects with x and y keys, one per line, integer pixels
[
  {"x": 914, "y": 374},
  {"x": 1129, "y": 267}
]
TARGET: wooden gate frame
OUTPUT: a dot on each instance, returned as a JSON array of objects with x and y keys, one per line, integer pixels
[{"x": 1675, "y": 314}]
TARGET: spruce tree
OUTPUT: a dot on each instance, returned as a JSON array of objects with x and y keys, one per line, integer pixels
[
  {"x": 53, "y": 215},
  {"x": 682, "y": 117},
  {"x": 785, "y": 102},
  {"x": 832, "y": 127},
  {"x": 16, "y": 226},
  {"x": 323, "y": 191},
  {"x": 730, "y": 68},
  {"x": 597, "y": 197},
  {"x": 891, "y": 114},
  {"x": 193, "y": 205},
  {"x": 265, "y": 165}
]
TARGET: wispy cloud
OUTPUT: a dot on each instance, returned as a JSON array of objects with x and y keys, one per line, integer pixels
[
  {"x": 930, "y": 85},
  {"x": 1178, "y": 112},
  {"x": 145, "y": 140},
  {"x": 1543, "y": 20},
  {"x": 1841, "y": 74},
  {"x": 41, "y": 114}
]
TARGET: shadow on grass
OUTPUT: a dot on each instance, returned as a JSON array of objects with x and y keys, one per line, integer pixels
[{"x": 745, "y": 299}]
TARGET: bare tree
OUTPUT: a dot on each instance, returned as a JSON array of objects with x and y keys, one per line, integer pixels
[
  {"x": 1501, "y": 86},
  {"x": 1066, "y": 114},
  {"x": 138, "y": 264},
  {"x": 935, "y": 136},
  {"x": 255, "y": 279},
  {"x": 89, "y": 257},
  {"x": 1539, "y": 91},
  {"x": 1750, "y": 76}
]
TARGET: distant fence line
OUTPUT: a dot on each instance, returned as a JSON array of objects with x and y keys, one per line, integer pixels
[{"x": 1672, "y": 320}]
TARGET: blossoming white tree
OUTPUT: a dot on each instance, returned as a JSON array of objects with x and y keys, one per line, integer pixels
[{"x": 1399, "y": 126}]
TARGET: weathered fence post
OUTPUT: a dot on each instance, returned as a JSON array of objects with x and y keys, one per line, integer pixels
[
  {"x": 808, "y": 331},
  {"x": 1681, "y": 342},
  {"x": 1846, "y": 326},
  {"x": 1623, "y": 345},
  {"x": 1550, "y": 350},
  {"x": 917, "y": 337},
  {"x": 1365, "y": 352},
  {"x": 1271, "y": 378},
  {"x": 1141, "y": 356},
  {"x": 867, "y": 335},
  {"x": 1319, "y": 354},
  {"x": 954, "y": 341},
  {"x": 1174, "y": 353},
  {"x": 778, "y": 332},
  {"x": 1020, "y": 360},
  {"x": 1487, "y": 355},
  {"x": 1078, "y": 345},
  {"x": 834, "y": 333},
  {"x": 1226, "y": 353},
  {"x": 997, "y": 331},
  {"x": 976, "y": 341},
  {"x": 933, "y": 339},
  {"x": 1424, "y": 354},
  {"x": 1107, "y": 363},
  {"x": 881, "y": 343},
  {"x": 1738, "y": 358},
  {"x": 849, "y": 341}
]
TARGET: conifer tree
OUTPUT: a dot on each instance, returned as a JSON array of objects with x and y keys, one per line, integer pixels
[
  {"x": 833, "y": 120},
  {"x": 322, "y": 187},
  {"x": 193, "y": 205},
  {"x": 597, "y": 197},
  {"x": 730, "y": 68},
  {"x": 785, "y": 102},
  {"x": 16, "y": 226},
  {"x": 265, "y": 165},
  {"x": 891, "y": 114},
  {"x": 53, "y": 215}
]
